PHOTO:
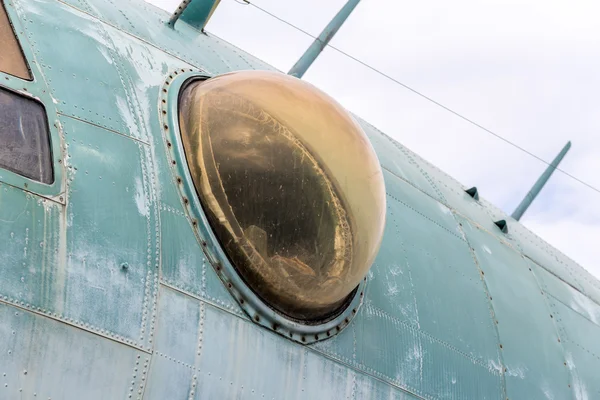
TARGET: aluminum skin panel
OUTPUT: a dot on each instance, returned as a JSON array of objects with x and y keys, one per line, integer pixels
[
  {"x": 47, "y": 359},
  {"x": 531, "y": 351}
]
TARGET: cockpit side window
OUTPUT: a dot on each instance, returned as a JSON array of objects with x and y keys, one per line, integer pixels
[
  {"x": 12, "y": 60},
  {"x": 24, "y": 137}
]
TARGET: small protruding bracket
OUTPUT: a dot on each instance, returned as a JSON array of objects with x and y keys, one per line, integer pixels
[
  {"x": 502, "y": 225},
  {"x": 473, "y": 193},
  {"x": 195, "y": 12}
]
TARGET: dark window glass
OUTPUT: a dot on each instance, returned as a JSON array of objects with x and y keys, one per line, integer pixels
[
  {"x": 24, "y": 137},
  {"x": 12, "y": 60}
]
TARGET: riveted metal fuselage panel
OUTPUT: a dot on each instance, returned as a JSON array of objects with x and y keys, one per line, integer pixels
[{"x": 107, "y": 292}]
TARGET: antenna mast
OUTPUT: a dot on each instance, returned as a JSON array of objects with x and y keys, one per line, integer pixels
[
  {"x": 311, "y": 54},
  {"x": 539, "y": 184}
]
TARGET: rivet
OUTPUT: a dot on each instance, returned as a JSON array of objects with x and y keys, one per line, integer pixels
[
  {"x": 500, "y": 346},
  {"x": 551, "y": 316},
  {"x": 303, "y": 339},
  {"x": 174, "y": 162},
  {"x": 328, "y": 334},
  {"x": 166, "y": 126},
  {"x": 257, "y": 318},
  {"x": 337, "y": 328},
  {"x": 229, "y": 285},
  {"x": 124, "y": 266},
  {"x": 275, "y": 327},
  {"x": 164, "y": 112},
  {"x": 178, "y": 180},
  {"x": 165, "y": 90},
  {"x": 354, "y": 311},
  {"x": 316, "y": 337},
  {"x": 242, "y": 301}
]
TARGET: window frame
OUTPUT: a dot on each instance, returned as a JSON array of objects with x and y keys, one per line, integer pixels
[
  {"x": 259, "y": 311},
  {"x": 37, "y": 90}
]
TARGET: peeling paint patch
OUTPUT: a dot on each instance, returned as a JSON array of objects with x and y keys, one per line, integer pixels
[
  {"x": 585, "y": 306},
  {"x": 579, "y": 389},
  {"x": 460, "y": 232},
  {"x": 127, "y": 115},
  {"x": 395, "y": 270},
  {"x": 105, "y": 54},
  {"x": 494, "y": 366},
  {"x": 518, "y": 372},
  {"x": 140, "y": 198},
  {"x": 569, "y": 360},
  {"x": 444, "y": 209},
  {"x": 392, "y": 288}
]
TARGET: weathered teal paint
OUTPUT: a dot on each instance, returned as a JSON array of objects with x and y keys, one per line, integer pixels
[
  {"x": 313, "y": 51},
  {"x": 539, "y": 184},
  {"x": 447, "y": 289}
]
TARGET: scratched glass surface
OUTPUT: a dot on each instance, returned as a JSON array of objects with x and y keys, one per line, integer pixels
[
  {"x": 12, "y": 60},
  {"x": 291, "y": 186},
  {"x": 24, "y": 137}
]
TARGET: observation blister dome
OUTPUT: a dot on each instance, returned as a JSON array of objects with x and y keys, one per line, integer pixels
[{"x": 290, "y": 185}]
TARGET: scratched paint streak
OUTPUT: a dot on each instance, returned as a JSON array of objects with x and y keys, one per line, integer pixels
[
  {"x": 417, "y": 351},
  {"x": 585, "y": 306}
]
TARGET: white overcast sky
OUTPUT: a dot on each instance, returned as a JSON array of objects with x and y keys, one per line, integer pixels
[{"x": 528, "y": 70}]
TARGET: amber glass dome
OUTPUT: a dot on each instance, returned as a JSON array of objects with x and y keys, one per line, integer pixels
[{"x": 290, "y": 185}]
